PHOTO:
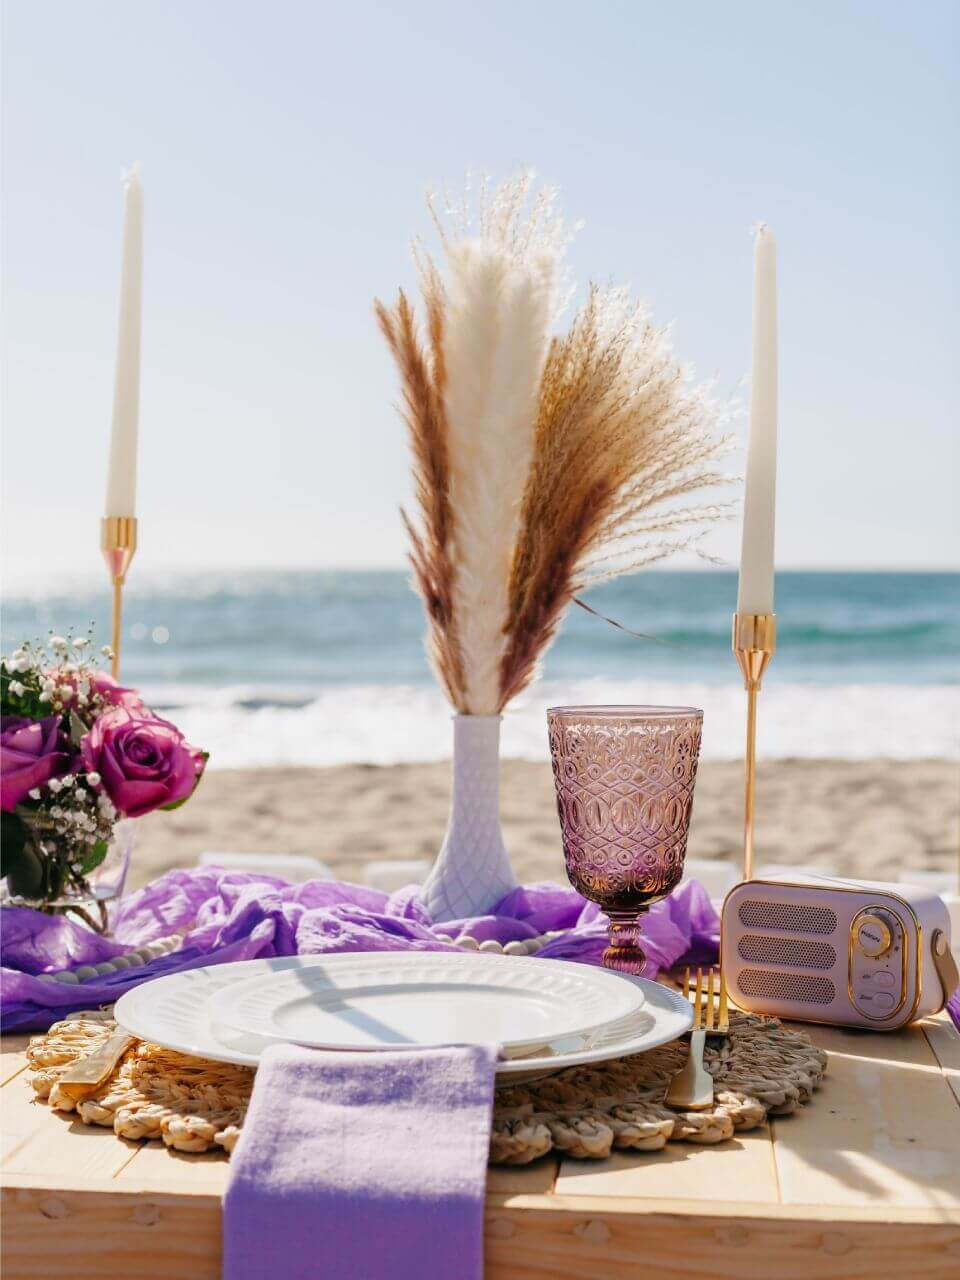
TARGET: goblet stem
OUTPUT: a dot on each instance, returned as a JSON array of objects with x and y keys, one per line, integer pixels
[{"x": 624, "y": 952}]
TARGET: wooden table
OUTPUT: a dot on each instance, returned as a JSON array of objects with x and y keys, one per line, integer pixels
[{"x": 864, "y": 1183}]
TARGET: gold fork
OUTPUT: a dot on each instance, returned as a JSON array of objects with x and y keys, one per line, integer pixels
[
  {"x": 691, "y": 1089},
  {"x": 717, "y": 1021}
]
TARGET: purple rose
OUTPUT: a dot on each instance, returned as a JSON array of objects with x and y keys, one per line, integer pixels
[
  {"x": 31, "y": 753},
  {"x": 144, "y": 763}
]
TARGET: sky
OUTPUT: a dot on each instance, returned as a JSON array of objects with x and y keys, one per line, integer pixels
[{"x": 286, "y": 148}]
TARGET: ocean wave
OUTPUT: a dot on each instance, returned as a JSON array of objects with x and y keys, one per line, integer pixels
[{"x": 252, "y": 727}]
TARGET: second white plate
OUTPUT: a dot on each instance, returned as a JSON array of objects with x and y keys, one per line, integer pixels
[{"x": 379, "y": 1000}]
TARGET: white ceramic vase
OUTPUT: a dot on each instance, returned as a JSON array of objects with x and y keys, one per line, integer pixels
[{"x": 472, "y": 871}]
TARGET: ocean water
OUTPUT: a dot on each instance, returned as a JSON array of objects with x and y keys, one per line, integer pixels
[{"x": 327, "y": 667}]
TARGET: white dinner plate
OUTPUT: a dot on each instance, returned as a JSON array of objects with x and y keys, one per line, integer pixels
[
  {"x": 381, "y": 1000},
  {"x": 174, "y": 1012}
]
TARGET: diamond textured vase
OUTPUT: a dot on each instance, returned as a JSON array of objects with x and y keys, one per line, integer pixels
[
  {"x": 472, "y": 871},
  {"x": 624, "y": 778}
]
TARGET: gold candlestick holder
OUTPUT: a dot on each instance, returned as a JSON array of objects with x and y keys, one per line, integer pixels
[
  {"x": 754, "y": 644},
  {"x": 118, "y": 542}
]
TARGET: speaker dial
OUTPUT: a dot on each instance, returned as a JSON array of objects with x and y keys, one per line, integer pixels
[{"x": 873, "y": 935}]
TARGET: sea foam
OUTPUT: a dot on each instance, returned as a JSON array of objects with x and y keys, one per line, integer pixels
[{"x": 248, "y": 727}]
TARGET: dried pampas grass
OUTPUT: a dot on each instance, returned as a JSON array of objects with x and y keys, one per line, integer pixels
[
  {"x": 541, "y": 464},
  {"x": 500, "y": 303},
  {"x": 422, "y": 376}
]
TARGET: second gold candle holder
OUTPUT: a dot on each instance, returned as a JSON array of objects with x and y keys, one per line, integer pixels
[{"x": 754, "y": 644}]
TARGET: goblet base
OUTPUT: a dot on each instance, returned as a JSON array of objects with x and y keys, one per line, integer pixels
[{"x": 625, "y": 953}]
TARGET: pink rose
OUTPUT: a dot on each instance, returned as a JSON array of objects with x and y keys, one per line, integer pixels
[
  {"x": 31, "y": 753},
  {"x": 144, "y": 763},
  {"x": 117, "y": 695},
  {"x": 103, "y": 686}
]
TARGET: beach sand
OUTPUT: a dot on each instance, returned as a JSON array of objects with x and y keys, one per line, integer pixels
[{"x": 871, "y": 818}]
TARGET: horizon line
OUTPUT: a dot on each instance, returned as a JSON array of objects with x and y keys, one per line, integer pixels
[{"x": 53, "y": 579}]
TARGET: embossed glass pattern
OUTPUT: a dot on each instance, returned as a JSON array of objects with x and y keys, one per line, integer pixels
[{"x": 624, "y": 779}]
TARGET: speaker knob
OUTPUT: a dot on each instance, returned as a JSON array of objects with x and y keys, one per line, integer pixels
[{"x": 873, "y": 936}]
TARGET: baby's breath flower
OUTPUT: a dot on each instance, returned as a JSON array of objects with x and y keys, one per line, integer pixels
[
  {"x": 17, "y": 689},
  {"x": 54, "y": 784},
  {"x": 58, "y": 644},
  {"x": 93, "y": 779},
  {"x": 67, "y": 781},
  {"x": 106, "y": 651},
  {"x": 66, "y": 693},
  {"x": 45, "y": 696},
  {"x": 81, "y": 642},
  {"x": 34, "y": 794}
]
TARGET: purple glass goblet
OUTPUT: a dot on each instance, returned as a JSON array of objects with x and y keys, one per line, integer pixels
[{"x": 624, "y": 779}]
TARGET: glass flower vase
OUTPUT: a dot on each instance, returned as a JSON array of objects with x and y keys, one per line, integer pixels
[
  {"x": 472, "y": 871},
  {"x": 59, "y": 886}
]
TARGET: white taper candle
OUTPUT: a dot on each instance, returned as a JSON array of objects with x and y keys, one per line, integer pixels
[
  {"x": 759, "y": 499},
  {"x": 122, "y": 474}
]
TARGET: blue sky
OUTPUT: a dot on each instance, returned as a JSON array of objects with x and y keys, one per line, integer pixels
[{"x": 286, "y": 148}]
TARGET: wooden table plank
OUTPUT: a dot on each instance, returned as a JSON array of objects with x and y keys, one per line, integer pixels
[
  {"x": 86, "y": 1235},
  {"x": 12, "y": 1057},
  {"x": 534, "y": 1179},
  {"x": 62, "y": 1233},
  {"x": 884, "y": 1129},
  {"x": 684, "y": 1171},
  {"x": 944, "y": 1039},
  {"x": 159, "y": 1167},
  {"x": 45, "y": 1142},
  {"x": 564, "y": 1243}
]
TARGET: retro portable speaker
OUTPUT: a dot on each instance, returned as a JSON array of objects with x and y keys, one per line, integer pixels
[{"x": 857, "y": 953}]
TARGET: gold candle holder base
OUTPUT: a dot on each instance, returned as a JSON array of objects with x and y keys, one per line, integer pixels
[
  {"x": 754, "y": 644},
  {"x": 118, "y": 542}
]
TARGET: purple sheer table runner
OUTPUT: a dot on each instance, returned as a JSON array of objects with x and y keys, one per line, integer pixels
[{"x": 227, "y": 915}]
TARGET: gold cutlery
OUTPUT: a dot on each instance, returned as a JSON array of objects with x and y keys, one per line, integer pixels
[{"x": 691, "y": 1089}]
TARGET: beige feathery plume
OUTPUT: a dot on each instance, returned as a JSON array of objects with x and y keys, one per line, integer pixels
[
  {"x": 501, "y": 299},
  {"x": 621, "y": 436}
]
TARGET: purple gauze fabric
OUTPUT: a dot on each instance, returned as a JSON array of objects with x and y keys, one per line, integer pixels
[
  {"x": 361, "y": 1165},
  {"x": 228, "y": 915},
  {"x": 953, "y": 1008}
]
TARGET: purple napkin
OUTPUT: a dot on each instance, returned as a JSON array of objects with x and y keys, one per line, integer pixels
[{"x": 361, "y": 1166}]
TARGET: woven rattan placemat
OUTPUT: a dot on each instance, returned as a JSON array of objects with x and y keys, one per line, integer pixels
[{"x": 762, "y": 1068}]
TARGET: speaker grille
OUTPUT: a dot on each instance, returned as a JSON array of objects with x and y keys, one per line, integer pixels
[
  {"x": 807, "y": 988},
  {"x": 794, "y": 917},
  {"x": 797, "y": 953}
]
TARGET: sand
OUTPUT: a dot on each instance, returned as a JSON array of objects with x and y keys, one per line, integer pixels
[{"x": 872, "y": 818}]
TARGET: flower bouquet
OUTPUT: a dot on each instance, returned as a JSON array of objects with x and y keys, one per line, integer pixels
[{"x": 79, "y": 753}]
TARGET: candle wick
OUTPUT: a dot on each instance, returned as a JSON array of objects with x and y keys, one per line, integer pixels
[
  {"x": 132, "y": 172},
  {"x": 758, "y": 229}
]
